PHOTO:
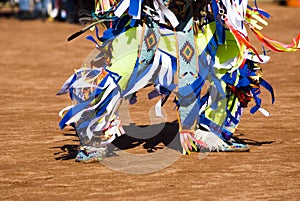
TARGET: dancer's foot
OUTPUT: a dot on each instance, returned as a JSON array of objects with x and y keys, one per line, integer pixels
[
  {"x": 236, "y": 147},
  {"x": 88, "y": 154},
  {"x": 215, "y": 143}
]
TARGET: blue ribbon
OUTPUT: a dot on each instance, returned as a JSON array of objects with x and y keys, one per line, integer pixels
[
  {"x": 190, "y": 119},
  {"x": 119, "y": 26},
  {"x": 213, "y": 127},
  {"x": 255, "y": 93},
  {"x": 91, "y": 38},
  {"x": 134, "y": 7},
  {"x": 267, "y": 86},
  {"x": 98, "y": 111},
  {"x": 220, "y": 29},
  {"x": 206, "y": 69},
  {"x": 77, "y": 108}
]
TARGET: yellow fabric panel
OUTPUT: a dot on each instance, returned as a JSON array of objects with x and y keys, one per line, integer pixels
[
  {"x": 124, "y": 54},
  {"x": 217, "y": 116},
  {"x": 167, "y": 43},
  {"x": 202, "y": 38},
  {"x": 228, "y": 50}
]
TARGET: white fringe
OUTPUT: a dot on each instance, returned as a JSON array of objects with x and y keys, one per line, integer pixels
[{"x": 212, "y": 140}]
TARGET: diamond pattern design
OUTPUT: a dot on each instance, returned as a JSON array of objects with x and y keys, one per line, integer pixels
[
  {"x": 150, "y": 40},
  {"x": 187, "y": 52}
]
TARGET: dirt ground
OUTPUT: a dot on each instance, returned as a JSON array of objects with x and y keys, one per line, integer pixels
[{"x": 36, "y": 160}]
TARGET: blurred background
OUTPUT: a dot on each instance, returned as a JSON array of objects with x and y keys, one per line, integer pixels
[
  {"x": 58, "y": 10},
  {"x": 69, "y": 10}
]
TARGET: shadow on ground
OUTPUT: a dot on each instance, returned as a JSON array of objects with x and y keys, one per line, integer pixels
[
  {"x": 167, "y": 136},
  {"x": 167, "y": 133},
  {"x": 240, "y": 139}
]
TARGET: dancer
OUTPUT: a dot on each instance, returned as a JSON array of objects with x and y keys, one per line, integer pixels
[{"x": 176, "y": 46}]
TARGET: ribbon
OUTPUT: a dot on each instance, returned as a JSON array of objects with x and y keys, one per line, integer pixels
[
  {"x": 163, "y": 12},
  {"x": 275, "y": 45},
  {"x": 220, "y": 29},
  {"x": 135, "y": 8}
]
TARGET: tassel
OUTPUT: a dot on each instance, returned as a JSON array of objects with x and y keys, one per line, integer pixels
[
  {"x": 275, "y": 45},
  {"x": 188, "y": 141},
  {"x": 212, "y": 141}
]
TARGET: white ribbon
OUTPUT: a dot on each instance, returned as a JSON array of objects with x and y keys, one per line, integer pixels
[
  {"x": 110, "y": 84},
  {"x": 61, "y": 113},
  {"x": 163, "y": 12},
  {"x": 158, "y": 112},
  {"x": 165, "y": 69},
  {"x": 236, "y": 12},
  {"x": 124, "y": 5},
  {"x": 264, "y": 112},
  {"x": 145, "y": 80}
]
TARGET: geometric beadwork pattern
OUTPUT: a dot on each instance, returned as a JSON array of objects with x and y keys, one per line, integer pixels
[
  {"x": 187, "y": 52},
  {"x": 150, "y": 39}
]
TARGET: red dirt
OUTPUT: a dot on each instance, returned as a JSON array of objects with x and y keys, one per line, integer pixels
[{"x": 36, "y": 60}]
